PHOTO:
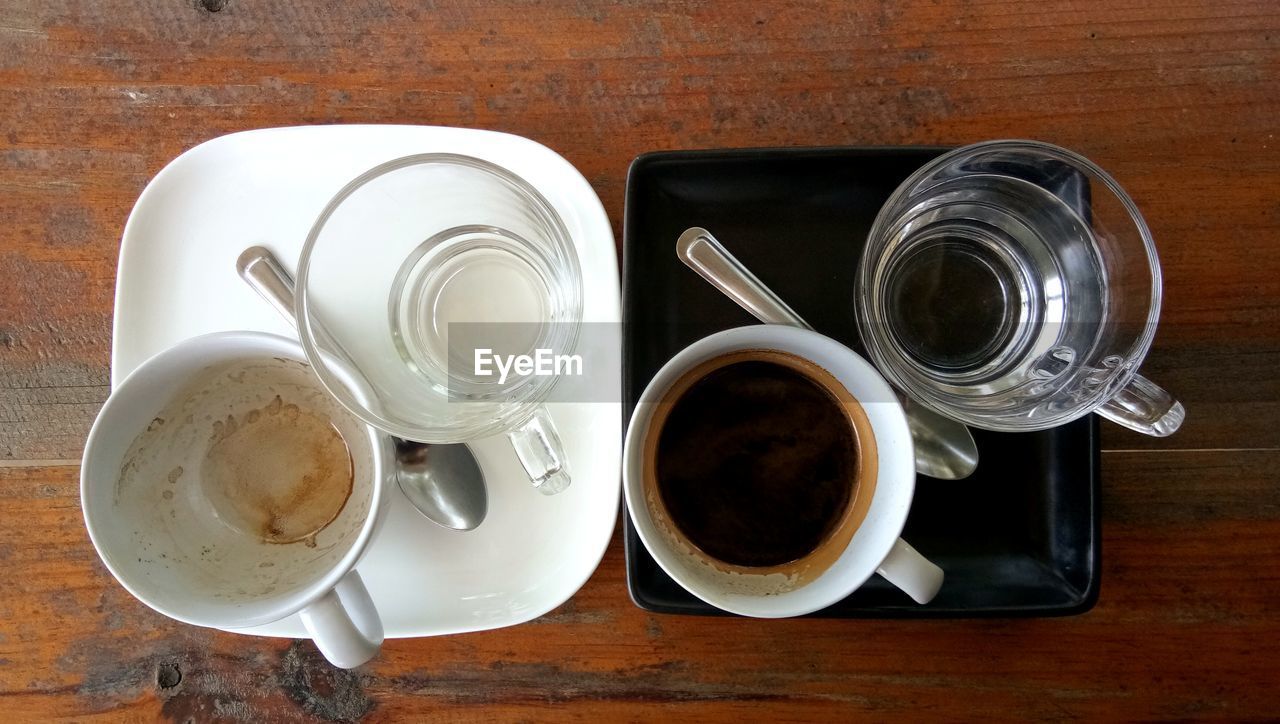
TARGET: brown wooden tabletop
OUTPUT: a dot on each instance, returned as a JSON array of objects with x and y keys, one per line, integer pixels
[{"x": 1179, "y": 102}]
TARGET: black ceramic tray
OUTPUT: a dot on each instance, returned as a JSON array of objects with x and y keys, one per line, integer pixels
[{"x": 1020, "y": 537}]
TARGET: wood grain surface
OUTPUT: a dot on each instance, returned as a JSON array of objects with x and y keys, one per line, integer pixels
[{"x": 1179, "y": 100}]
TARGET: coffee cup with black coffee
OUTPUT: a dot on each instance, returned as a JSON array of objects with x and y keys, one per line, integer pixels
[{"x": 769, "y": 471}]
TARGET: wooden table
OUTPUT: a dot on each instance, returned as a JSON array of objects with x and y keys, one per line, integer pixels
[{"x": 1180, "y": 103}]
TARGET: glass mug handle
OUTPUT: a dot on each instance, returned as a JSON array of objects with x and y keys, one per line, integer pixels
[
  {"x": 541, "y": 453},
  {"x": 1145, "y": 407}
]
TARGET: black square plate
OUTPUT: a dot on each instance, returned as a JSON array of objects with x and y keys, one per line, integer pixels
[{"x": 1020, "y": 537}]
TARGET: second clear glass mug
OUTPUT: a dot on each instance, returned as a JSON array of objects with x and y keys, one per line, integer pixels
[
  {"x": 1014, "y": 286},
  {"x": 423, "y": 246}
]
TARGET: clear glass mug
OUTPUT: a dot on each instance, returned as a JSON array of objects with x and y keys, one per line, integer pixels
[
  {"x": 420, "y": 253},
  {"x": 1014, "y": 286}
]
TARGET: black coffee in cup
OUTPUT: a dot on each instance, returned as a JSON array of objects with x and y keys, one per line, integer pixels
[{"x": 757, "y": 459}]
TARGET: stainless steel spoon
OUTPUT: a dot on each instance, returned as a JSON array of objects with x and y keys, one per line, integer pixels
[
  {"x": 444, "y": 482},
  {"x": 944, "y": 448}
]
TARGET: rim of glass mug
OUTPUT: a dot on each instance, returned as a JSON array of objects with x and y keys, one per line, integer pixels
[
  {"x": 920, "y": 183},
  {"x": 497, "y": 416}
]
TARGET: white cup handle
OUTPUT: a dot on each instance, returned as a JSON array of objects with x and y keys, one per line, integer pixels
[
  {"x": 344, "y": 623},
  {"x": 905, "y": 568}
]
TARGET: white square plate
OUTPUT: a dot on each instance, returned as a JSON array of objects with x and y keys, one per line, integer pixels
[{"x": 177, "y": 279}]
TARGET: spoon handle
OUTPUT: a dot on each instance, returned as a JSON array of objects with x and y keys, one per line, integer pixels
[
  {"x": 259, "y": 268},
  {"x": 701, "y": 252}
]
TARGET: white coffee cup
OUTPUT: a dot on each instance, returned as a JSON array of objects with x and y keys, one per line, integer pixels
[
  {"x": 166, "y": 544},
  {"x": 875, "y": 546}
]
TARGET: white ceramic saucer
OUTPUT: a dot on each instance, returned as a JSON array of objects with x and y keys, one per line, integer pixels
[{"x": 177, "y": 279}]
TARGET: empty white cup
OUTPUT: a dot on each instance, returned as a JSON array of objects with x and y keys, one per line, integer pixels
[{"x": 164, "y": 540}]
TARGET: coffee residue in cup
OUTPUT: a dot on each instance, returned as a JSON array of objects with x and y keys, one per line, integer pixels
[
  {"x": 253, "y": 445},
  {"x": 280, "y": 471}
]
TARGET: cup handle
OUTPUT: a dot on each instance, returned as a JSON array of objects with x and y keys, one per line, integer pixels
[
  {"x": 344, "y": 623},
  {"x": 905, "y": 568},
  {"x": 1145, "y": 407},
  {"x": 541, "y": 453}
]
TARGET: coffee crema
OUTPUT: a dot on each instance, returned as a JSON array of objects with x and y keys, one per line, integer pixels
[{"x": 762, "y": 461}]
